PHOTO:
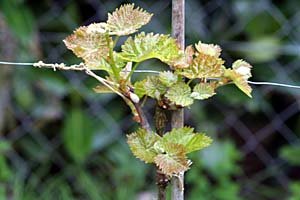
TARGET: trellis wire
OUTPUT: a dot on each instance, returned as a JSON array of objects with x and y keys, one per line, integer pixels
[{"x": 157, "y": 72}]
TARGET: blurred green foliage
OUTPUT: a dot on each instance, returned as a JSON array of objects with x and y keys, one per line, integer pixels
[
  {"x": 291, "y": 154},
  {"x": 5, "y": 171},
  {"x": 217, "y": 163},
  {"x": 84, "y": 156},
  {"x": 78, "y": 131},
  {"x": 295, "y": 191}
]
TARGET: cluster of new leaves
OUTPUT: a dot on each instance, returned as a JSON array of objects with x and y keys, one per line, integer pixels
[
  {"x": 196, "y": 74},
  {"x": 95, "y": 44},
  {"x": 171, "y": 91},
  {"x": 204, "y": 64},
  {"x": 167, "y": 152}
]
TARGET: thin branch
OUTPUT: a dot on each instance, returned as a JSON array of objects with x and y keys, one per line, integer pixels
[
  {"x": 143, "y": 119},
  {"x": 112, "y": 59},
  {"x": 116, "y": 40},
  {"x": 81, "y": 67}
]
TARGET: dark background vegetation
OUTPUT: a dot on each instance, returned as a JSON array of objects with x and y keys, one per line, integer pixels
[{"x": 59, "y": 140}]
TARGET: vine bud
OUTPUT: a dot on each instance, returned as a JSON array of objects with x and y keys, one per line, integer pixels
[{"x": 134, "y": 98}]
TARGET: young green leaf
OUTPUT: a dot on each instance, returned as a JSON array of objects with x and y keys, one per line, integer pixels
[
  {"x": 239, "y": 81},
  {"x": 180, "y": 94},
  {"x": 208, "y": 49},
  {"x": 120, "y": 63},
  {"x": 186, "y": 60},
  {"x": 186, "y": 137},
  {"x": 243, "y": 68},
  {"x": 146, "y": 46},
  {"x": 92, "y": 47},
  {"x": 168, "y": 78},
  {"x": 198, "y": 141},
  {"x": 142, "y": 143},
  {"x": 99, "y": 64},
  {"x": 206, "y": 64},
  {"x": 127, "y": 20},
  {"x": 173, "y": 160},
  {"x": 151, "y": 87},
  {"x": 179, "y": 135},
  {"x": 139, "y": 88},
  {"x": 203, "y": 91},
  {"x": 97, "y": 28}
]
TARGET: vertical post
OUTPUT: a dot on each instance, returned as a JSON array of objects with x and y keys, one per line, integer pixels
[
  {"x": 177, "y": 117},
  {"x": 178, "y": 21}
]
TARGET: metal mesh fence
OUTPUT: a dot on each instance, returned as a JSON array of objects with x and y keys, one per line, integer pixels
[{"x": 263, "y": 32}]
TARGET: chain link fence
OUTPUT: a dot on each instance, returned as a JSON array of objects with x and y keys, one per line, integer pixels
[{"x": 37, "y": 104}]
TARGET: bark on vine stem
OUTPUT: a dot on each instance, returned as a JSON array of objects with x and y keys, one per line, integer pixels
[
  {"x": 177, "y": 116},
  {"x": 162, "y": 181},
  {"x": 143, "y": 119},
  {"x": 160, "y": 118}
]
